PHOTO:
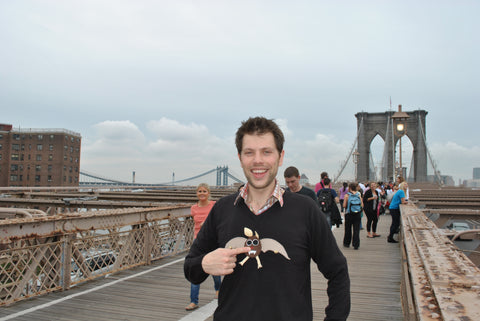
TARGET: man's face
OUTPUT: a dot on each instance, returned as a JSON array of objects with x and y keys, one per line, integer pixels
[
  {"x": 260, "y": 160},
  {"x": 293, "y": 183}
]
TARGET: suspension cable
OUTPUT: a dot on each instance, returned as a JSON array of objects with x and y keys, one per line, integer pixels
[
  {"x": 432, "y": 162},
  {"x": 344, "y": 164}
]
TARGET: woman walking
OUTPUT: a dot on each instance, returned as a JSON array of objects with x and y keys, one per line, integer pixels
[
  {"x": 199, "y": 213},
  {"x": 353, "y": 210},
  {"x": 370, "y": 199}
]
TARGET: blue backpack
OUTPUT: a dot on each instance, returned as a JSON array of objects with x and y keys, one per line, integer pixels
[{"x": 354, "y": 203}]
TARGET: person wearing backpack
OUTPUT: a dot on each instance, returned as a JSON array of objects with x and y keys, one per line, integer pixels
[
  {"x": 321, "y": 184},
  {"x": 353, "y": 204},
  {"x": 327, "y": 200}
]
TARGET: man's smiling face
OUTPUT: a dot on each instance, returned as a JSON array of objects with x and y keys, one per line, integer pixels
[{"x": 260, "y": 160}]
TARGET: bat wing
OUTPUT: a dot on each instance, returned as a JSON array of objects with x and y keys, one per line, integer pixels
[
  {"x": 236, "y": 242},
  {"x": 275, "y": 246}
]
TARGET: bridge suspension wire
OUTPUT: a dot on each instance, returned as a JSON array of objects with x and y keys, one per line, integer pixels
[
  {"x": 234, "y": 178},
  {"x": 345, "y": 162},
  {"x": 111, "y": 181},
  {"x": 432, "y": 162},
  {"x": 96, "y": 176},
  {"x": 193, "y": 177},
  {"x": 412, "y": 169}
]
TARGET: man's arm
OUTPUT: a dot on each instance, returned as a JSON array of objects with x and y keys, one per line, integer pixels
[
  {"x": 333, "y": 265},
  {"x": 335, "y": 195},
  {"x": 205, "y": 258}
]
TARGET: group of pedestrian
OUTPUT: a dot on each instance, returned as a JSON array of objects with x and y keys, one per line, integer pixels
[{"x": 374, "y": 199}]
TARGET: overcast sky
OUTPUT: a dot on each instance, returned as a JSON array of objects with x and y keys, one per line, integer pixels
[{"x": 159, "y": 87}]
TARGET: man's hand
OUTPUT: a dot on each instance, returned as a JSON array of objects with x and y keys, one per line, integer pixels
[{"x": 222, "y": 261}]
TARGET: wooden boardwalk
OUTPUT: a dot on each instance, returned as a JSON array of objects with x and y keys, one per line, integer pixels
[{"x": 160, "y": 291}]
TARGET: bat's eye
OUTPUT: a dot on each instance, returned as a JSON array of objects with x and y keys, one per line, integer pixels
[
  {"x": 249, "y": 243},
  {"x": 255, "y": 242}
]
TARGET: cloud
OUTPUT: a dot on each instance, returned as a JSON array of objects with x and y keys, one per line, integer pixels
[
  {"x": 174, "y": 131},
  {"x": 190, "y": 142},
  {"x": 322, "y": 153},
  {"x": 283, "y": 124},
  {"x": 454, "y": 159},
  {"x": 115, "y": 137},
  {"x": 167, "y": 147}
]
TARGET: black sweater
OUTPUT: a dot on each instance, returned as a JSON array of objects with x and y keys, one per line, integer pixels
[{"x": 281, "y": 289}]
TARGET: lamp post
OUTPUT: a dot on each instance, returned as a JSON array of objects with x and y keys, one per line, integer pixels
[
  {"x": 355, "y": 155},
  {"x": 400, "y": 128}
]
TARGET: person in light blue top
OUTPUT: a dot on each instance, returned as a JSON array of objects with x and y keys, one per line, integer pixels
[{"x": 398, "y": 198}]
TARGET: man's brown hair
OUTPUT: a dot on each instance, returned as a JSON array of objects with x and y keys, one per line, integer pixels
[
  {"x": 259, "y": 126},
  {"x": 291, "y": 171}
]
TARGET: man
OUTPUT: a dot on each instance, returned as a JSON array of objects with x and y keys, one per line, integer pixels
[
  {"x": 274, "y": 234},
  {"x": 292, "y": 179},
  {"x": 328, "y": 200},
  {"x": 320, "y": 184}
]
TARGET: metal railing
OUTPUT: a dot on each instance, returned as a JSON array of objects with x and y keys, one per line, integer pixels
[
  {"x": 46, "y": 254},
  {"x": 439, "y": 281}
]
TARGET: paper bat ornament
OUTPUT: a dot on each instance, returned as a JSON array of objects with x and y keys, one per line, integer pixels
[{"x": 256, "y": 246}]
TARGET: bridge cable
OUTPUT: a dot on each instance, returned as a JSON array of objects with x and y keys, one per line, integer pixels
[
  {"x": 432, "y": 162},
  {"x": 344, "y": 164}
]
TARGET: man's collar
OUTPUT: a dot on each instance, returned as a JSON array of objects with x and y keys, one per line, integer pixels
[{"x": 277, "y": 193}]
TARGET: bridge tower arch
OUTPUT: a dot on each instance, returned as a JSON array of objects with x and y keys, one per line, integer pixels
[
  {"x": 369, "y": 125},
  {"x": 222, "y": 171}
]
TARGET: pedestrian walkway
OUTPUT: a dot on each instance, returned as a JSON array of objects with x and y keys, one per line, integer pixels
[{"x": 160, "y": 291}]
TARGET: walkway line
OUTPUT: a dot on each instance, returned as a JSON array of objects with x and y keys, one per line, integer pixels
[
  {"x": 202, "y": 313},
  {"x": 71, "y": 296}
]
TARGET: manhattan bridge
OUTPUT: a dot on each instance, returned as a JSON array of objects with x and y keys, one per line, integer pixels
[{"x": 221, "y": 172}]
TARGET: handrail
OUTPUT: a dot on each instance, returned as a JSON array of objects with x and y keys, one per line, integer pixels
[
  {"x": 443, "y": 282},
  {"x": 39, "y": 255}
]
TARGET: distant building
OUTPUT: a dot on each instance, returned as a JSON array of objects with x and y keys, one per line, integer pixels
[
  {"x": 475, "y": 183},
  {"x": 303, "y": 179},
  {"x": 476, "y": 173},
  {"x": 446, "y": 180},
  {"x": 39, "y": 157}
]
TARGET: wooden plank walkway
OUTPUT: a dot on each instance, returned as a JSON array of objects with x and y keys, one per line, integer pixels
[{"x": 160, "y": 291}]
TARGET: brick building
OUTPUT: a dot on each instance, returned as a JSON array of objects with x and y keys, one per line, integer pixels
[{"x": 39, "y": 157}]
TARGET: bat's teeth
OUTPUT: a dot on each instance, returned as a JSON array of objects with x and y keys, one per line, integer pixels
[{"x": 252, "y": 252}]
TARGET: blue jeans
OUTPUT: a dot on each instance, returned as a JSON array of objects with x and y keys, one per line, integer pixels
[{"x": 195, "y": 288}]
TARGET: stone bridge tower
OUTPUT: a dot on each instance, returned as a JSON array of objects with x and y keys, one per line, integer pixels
[{"x": 369, "y": 125}]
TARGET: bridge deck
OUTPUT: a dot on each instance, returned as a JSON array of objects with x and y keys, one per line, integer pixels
[{"x": 160, "y": 292}]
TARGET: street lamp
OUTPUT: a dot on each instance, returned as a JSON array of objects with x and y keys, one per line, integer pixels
[
  {"x": 400, "y": 124},
  {"x": 355, "y": 155}
]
